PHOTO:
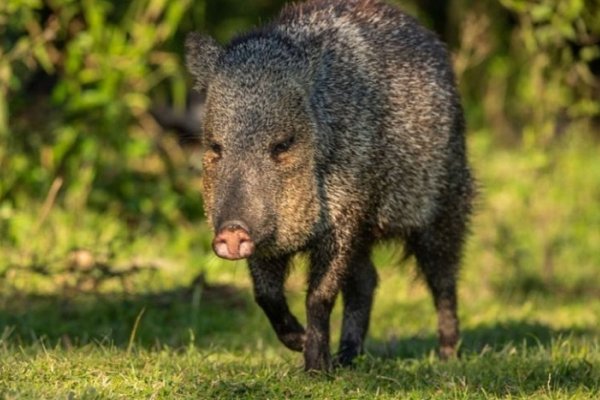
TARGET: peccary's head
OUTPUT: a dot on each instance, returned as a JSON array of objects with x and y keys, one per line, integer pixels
[{"x": 258, "y": 140}]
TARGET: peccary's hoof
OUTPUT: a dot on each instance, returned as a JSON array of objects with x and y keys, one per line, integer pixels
[
  {"x": 317, "y": 361},
  {"x": 447, "y": 353},
  {"x": 346, "y": 356},
  {"x": 293, "y": 341},
  {"x": 318, "y": 367}
]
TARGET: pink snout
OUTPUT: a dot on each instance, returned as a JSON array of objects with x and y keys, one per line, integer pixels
[{"x": 233, "y": 243}]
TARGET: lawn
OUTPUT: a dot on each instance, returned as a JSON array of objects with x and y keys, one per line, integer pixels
[{"x": 93, "y": 308}]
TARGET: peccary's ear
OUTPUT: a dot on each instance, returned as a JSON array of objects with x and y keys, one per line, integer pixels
[{"x": 201, "y": 55}]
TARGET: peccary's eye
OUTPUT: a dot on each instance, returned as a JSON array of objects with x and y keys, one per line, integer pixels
[
  {"x": 215, "y": 148},
  {"x": 282, "y": 147}
]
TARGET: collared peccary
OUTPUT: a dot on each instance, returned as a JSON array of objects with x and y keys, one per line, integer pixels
[{"x": 334, "y": 127}]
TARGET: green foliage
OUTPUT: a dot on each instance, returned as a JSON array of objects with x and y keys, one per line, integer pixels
[
  {"x": 78, "y": 79},
  {"x": 558, "y": 41},
  {"x": 530, "y": 69}
]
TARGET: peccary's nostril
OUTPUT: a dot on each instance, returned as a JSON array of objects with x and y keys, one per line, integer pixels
[{"x": 233, "y": 241}]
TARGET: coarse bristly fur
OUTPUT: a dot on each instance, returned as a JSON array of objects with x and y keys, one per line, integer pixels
[{"x": 334, "y": 127}]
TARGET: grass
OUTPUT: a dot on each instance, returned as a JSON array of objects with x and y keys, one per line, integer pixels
[{"x": 91, "y": 308}]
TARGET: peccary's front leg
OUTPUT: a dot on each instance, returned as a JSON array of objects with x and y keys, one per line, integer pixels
[
  {"x": 269, "y": 277},
  {"x": 358, "y": 289},
  {"x": 329, "y": 264}
]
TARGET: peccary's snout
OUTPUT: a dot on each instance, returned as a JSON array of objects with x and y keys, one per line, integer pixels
[{"x": 233, "y": 241}]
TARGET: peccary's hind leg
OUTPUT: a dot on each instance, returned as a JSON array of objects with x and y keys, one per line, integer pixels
[
  {"x": 437, "y": 249},
  {"x": 269, "y": 277},
  {"x": 358, "y": 289}
]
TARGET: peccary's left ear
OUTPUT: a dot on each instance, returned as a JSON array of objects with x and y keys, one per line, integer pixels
[{"x": 201, "y": 55}]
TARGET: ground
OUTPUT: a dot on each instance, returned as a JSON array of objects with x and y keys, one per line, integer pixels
[{"x": 90, "y": 309}]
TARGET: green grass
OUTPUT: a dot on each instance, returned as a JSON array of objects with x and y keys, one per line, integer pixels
[{"x": 529, "y": 303}]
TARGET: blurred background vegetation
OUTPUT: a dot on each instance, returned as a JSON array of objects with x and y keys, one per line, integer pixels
[{"x": 86, "y": 171}]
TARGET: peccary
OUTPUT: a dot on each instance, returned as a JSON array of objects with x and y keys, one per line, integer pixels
[{"x": 336, "y": 126}]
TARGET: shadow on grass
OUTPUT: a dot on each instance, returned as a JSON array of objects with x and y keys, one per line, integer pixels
[
  {"x": 503, "y": 359},
  {"x": 208, "y": 314},
  {"x": 482, "y": 339},
  {"x": 527, "y": 284},
  {"x": 202, "y": 314}
]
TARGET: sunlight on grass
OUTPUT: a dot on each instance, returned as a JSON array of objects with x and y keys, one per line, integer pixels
[{"x": 529, "y": 303}]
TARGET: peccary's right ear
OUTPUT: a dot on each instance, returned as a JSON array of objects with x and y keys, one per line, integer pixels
[{"x": 201, "y": 55}]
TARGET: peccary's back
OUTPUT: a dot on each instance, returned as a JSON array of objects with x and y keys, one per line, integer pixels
[{"x": 389, "y": 123}]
